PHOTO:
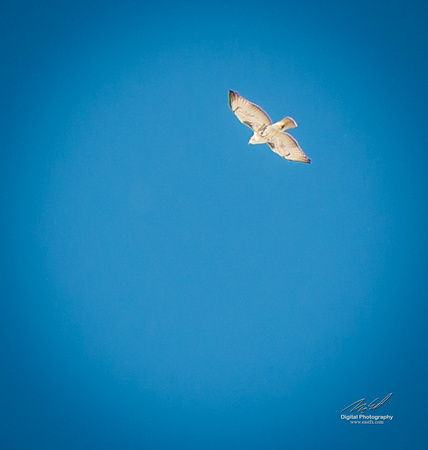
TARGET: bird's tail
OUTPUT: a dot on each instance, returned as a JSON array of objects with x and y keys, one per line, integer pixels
[
  {"x": 278, "y": 127},
  {"x": 285, "y": 124}
]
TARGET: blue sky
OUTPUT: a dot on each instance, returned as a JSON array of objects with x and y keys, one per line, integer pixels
[{"x": 165, "y": 285}]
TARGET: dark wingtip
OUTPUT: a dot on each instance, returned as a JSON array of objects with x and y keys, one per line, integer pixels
[{"x": 232, "y": 95}]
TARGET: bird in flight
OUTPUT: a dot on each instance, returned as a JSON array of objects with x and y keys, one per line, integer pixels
[{"x": 266, "y": 132}]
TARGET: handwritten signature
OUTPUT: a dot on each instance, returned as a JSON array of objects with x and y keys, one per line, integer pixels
[{"x": 360, "y": 406}]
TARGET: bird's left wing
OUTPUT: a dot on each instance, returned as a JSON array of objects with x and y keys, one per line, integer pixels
[
  {"x": 287, "y": 147},
  {"x": 248, "y": 113}
]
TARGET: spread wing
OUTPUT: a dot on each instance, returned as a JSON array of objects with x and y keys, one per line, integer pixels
[
  {"x": 248, "y": 113},
  {"x": 287, "y": 147}
]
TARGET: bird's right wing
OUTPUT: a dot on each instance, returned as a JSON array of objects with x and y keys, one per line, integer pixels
[
  {"x": 248, "y": 113},
  {"x": 287, "y": 147}
]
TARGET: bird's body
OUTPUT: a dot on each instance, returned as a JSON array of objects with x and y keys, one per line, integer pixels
[{"x": 266, "y": 132}]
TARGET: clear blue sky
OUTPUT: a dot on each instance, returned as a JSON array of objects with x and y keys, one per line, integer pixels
[{"x": 164, "y": 285}]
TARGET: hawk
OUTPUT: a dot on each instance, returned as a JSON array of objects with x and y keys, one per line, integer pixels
[{"x": 265, "y": 132}]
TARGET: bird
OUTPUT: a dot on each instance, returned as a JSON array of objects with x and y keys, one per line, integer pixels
[{"x": 266, "y": 132}]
